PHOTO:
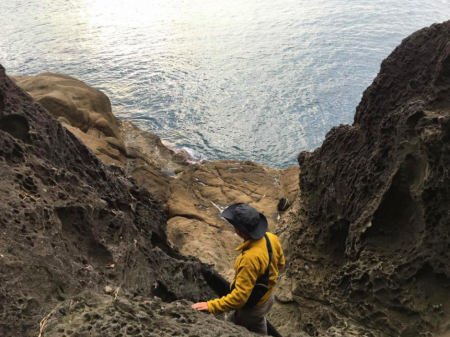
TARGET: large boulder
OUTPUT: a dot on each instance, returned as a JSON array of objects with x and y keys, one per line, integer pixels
[
  {"x": 370, "y": 237},
  {"x": 86, "y": 111}
]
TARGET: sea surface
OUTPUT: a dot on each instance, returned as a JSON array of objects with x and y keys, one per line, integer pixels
[{"x": 256, "y": 80}]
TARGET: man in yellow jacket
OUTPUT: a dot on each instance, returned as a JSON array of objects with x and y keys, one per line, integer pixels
[{"x": 256, "y": 271}]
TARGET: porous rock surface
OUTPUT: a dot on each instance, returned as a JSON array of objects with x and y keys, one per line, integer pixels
[
  {"x": 92, "y": 314},
  {"x": 370, "y": 236},
  {"x": 68, "y": 224}
]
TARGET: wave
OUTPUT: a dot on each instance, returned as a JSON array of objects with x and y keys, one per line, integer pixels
[{"x": 190, "y": 155}]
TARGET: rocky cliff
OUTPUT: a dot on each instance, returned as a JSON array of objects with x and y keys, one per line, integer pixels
[
  {"x": 83, "y": 249},
  {"x": 370, "y": 236}
]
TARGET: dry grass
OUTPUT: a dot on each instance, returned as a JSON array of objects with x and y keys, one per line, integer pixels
[{"x": 44, "y": 322}]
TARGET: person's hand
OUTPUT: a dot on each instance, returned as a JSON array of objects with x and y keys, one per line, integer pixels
[{"x": 201, "y": 306}]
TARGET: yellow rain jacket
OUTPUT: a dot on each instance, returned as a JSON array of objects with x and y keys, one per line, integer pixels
[{"x": 249, "y": 266}]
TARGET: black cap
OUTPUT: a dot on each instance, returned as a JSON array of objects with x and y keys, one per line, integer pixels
[{"x": 247, "y": 219}]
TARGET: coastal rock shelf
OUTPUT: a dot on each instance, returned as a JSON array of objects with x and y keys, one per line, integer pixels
[{"x": 201, "y": 192}]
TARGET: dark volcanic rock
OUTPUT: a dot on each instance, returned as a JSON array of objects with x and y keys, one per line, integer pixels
[
  {"x": 96, "y": 315},
  {"x": 69, "y": 223},
  {"x": 374, "y": 235}
]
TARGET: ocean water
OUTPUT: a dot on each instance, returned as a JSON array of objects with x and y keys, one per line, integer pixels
[{"x": 254, "y": 80}]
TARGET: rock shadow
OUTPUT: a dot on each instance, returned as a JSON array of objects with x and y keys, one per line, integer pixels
[
  {"x": 2, "y": 103},
  {"x": 399, "y": 222},
  {"x": 163, "y": 293},
  {"x": 15, "y": 125},
  {"x": 75, "y": 226}
]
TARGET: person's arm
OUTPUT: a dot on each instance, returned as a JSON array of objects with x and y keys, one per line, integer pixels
[
  {"x": 200, "y": 306},
  {"x": 246, "y": 277},
  {"x": 247, "y": 274}
]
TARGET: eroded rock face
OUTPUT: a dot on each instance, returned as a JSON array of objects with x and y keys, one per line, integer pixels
[
  {"x": 371, "y": 236},
  {"x": 69, "y": 223},
  {"x": 91, "y": 314},
  {"x": 86, "y": 111}
]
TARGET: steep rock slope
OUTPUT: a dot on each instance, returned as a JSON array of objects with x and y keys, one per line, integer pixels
[
  {"x": 371, "y": 236},
  {"x": 69, "y": 224}
]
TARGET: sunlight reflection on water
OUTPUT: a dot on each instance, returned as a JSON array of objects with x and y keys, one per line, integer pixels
[{"x": 252, "y": 80}]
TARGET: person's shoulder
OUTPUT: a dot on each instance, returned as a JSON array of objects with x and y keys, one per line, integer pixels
[
  {"x": 273, "y": 237},
  {"x": 254, "y": 252},
  {"x": 257, "y": 246},
  {"x": 276, "y": 244}
]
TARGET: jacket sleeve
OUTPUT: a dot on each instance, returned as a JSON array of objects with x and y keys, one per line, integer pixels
[{"x": 246, "y": 276}]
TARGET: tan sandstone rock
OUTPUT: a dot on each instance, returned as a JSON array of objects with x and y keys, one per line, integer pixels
[
  {"x": 202, "y": 191},
  {"x": 64, "y": 96},
  {"x": 84, "y": 110}
]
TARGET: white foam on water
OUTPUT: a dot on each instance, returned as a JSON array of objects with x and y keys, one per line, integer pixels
[
  {"x": 197, "y": 157},
  {"x": 191, "y": 156}
]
